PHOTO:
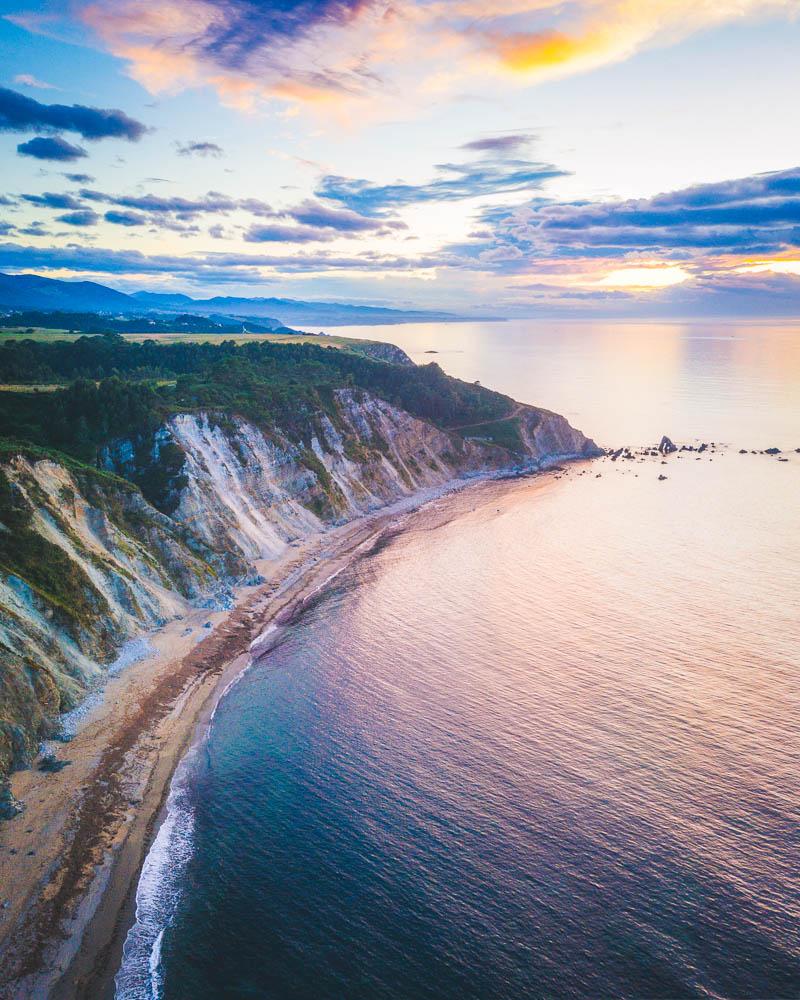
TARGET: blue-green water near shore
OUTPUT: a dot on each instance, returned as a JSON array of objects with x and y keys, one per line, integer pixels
[{"x": 541, "y": 742}]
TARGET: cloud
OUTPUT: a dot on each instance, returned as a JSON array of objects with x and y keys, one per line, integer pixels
[
  {"x": 125, "y": 219},
  {"x": 313, "y": 221},
  {"x": 51, "y": 200},
  {"x": 79, "y": 178},
  {"x": 27, "y": 80},
  {"x": 200, "y": 268},
  {"x": 19, "y": 113},
  {"x": 454, "y": 182},
  {"x": 84, "y": 217},
  {"x": 199, "y": 149},
  {"x": 277, "y": 233},
  {"x": 314, "y": 213},
  {"x": 511, "y": 142},
  {"x": 184, "y": 209},
  {"x": 34, "y": 229},
  {"x": 328, "y": 52},
  {"x": 51, "y": 148},
  {"x": 758, "y": 215}
]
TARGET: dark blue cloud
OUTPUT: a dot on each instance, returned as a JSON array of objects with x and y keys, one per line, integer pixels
[
  {"x": 84, "y": 217},
  {"x": 51, "y": 148},
  {"x": 125, "y": 219},
  {"x": 19, "y": 113},
  {"x": 79, "y": 178},
  {"x": 52, "y": 200}
]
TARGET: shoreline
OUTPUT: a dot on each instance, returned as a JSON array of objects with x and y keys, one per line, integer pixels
[{"x": 75, "y": 855}]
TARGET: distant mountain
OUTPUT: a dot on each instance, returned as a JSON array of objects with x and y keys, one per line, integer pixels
[
  {"x": 292, "y": 312},
  {"x": 31, "y": 291}
]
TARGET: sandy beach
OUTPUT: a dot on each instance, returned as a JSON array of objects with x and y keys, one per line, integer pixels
[{"x": 69, "y": 863}]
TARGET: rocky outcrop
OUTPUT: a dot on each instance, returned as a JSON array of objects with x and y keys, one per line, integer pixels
[{"x": 86, "y": 561}]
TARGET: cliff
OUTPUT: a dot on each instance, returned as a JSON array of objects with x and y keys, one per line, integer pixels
[{"x": 86, "y": 562}]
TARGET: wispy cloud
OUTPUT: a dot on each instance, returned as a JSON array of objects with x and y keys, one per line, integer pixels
[
  {"x": 199, "y": 149},
  {"x": 28, "y": 80},
  {"x": 508, "y": 142},
  {"x": 453, "y": 182}
]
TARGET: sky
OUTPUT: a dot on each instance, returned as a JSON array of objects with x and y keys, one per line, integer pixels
[{"x": 626, "y": 158}]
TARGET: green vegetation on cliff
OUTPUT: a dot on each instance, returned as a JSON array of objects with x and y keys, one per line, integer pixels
[{"x": 116, "y": 391}]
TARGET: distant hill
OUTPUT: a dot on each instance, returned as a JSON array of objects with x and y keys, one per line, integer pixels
[
  {"x": 292, "y": 312},
  {"x": 32, "y": 291}
]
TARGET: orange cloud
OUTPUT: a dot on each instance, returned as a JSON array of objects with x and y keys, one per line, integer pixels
[
  {"x": 388, "y": 54},
  {"x": 608, "y": 31}
]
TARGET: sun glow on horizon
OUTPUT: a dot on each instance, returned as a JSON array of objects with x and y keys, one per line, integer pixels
[{"x": 657, "y": 276}]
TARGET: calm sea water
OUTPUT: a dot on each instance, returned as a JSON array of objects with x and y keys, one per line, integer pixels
[{"x": 543, "y": 741}]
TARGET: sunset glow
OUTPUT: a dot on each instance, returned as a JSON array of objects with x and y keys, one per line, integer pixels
[{"x": 447, "y": 155}]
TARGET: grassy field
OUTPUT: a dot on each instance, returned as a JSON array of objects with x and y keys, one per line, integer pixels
[
  {"x": 39, "y": 333},
  {"x": 216, "y": 338},
  {"x": 42, "y": 387},
  {"x": 52, "y": 386}
]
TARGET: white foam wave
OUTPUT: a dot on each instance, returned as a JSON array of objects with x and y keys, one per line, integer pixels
[{"x": 140, "y": 976}]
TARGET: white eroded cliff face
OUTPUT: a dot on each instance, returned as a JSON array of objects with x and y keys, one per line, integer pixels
[
  {"x": 86, "y": 562},
  {"x": 257, "y": 492}
]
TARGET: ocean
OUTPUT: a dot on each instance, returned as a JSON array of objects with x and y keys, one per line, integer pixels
[{"x": 541, "y": 741}]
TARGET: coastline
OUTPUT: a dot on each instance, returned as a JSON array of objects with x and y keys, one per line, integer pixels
[{"x": 75, "y": 855}]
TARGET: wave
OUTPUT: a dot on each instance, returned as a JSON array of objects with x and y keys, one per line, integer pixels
[
  {"x": 161, "y": 881},
  {"x": 159, "y": 890}
]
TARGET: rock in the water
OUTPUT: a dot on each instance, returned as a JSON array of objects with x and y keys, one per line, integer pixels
[
  {"x": 661, "y": 478},
  {"x": 772, "y": 451},
  {"x": 666, "y": 447}
]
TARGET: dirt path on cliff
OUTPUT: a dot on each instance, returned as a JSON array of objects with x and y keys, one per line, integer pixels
[{"x": 495, "y": 420}]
